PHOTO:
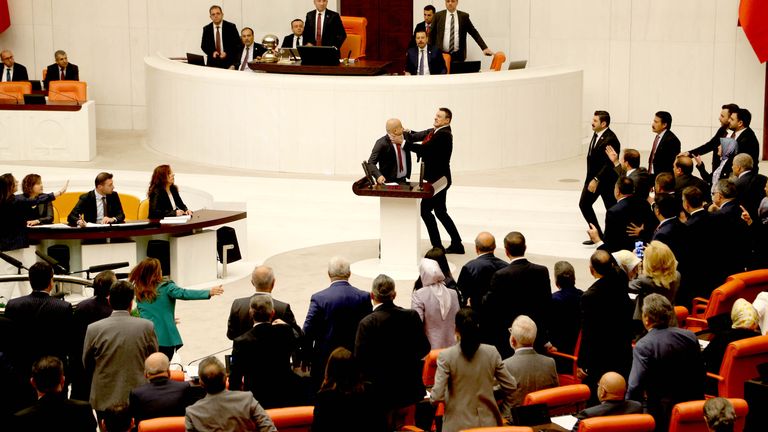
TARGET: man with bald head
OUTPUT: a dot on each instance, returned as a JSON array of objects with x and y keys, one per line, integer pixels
[
  {"x": 475, "y": 276},
  {"x": 610, "y": 392},
  {"x": 389, "y": 161},
  {"x": 161, "y": 396},
  {"x": 683, "y": 171}
]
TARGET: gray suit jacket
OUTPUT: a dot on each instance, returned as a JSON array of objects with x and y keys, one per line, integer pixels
[
  {"x": 228, "y": 411},
  {"x": 466, "y": 387},
  {"x": 532, "y": 372},
  {"x": 114, "y": 352}
]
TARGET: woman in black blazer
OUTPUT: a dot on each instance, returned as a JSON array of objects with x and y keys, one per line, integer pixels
[
  {"x": 164, "y": 198},
  {"x": 36, "y": 214}
]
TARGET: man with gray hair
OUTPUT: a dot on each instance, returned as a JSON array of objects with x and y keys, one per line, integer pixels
[
  {"x": 161, "y": 396},
  {"x": 667, "y": 366},
  {"x": 475, "y": 276},
  {"x": 389, "y": 346},
  {"x": 224, "y": 410},
  {"x": 333, "y": 316},
  {"x": 61, "y": 70},
  {"x": 750, "y": 186},
  {"x": 532, "y": 371}
]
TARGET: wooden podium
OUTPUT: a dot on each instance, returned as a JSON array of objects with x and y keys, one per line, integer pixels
[{"x": 400, "y": 225}]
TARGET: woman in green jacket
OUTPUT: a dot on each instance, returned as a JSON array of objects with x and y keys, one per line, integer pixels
[{"x": 156, "y": 301}]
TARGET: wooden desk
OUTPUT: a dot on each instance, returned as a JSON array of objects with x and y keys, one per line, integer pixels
[{"x": 358, "y": 68}]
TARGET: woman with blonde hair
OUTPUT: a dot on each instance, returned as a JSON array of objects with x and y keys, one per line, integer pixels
[
  {"x": 156, "y": 301},
  {"x": 659, "y": 276}
]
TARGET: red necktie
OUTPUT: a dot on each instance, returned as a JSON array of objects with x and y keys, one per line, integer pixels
[
  {"x": 429, "y": 137},
  {"x": 399, "y": 158},
  {"x": 429, "y": 27},
  {"x": 319, "y": 30},
  {"x": 245, "y": 59},
  {"x": 218, "y": 40},
  {"x": 733, "y": 135},
  {"x": 653, "y": 153},
  {"x": 61, "y": 74}
]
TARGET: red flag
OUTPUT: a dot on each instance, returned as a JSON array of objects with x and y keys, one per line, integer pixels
[
  {"x": 753, "y": 16},
  {"x": 5, "y": 16}
]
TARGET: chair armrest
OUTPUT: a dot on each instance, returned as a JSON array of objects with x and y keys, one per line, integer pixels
[
  {"x": 696, "y": 322},
  {"x": 412, "y": 429},
  {"x": 564, "y": 355},
  {"x": 715, "y": 376}
]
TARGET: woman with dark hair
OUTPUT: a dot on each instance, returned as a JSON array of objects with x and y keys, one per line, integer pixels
[
  {"x": 164, "y": 198},
  {"x": 343, "y": 404},
  {"x": 466, "y": 374},
  {"x": 438, "y": 254},
  {"x": 13, "y": 211},
  {"x": 156, "y": 301},
  {"x": 37, "y": 214}
]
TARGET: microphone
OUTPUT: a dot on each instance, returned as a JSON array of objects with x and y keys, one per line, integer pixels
[
  {"x": 348, "y": 55},
  {"x": 57, "y": 267},
  {"x": 65, "y": 95},
  {"x": 103, "y": 267},
  {"x": 421, "y": 175},
  {"x": 13, "y": 261},
  {"x": 11, "y": 95}
]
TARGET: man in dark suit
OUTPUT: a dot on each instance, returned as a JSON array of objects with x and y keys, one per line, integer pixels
[
  {"x": 61, "y": 70},
  {"x": 475, "y": 276},
  {"x": 683, "y": 171},
  {"x": 712, "y": 145},
  {"x": 667, "y": 367},
  {"x": 248, "y": 50},
  {"x": 750, "y": 186},
  {"x": 389, "y": 161},
  {"x": 389, "y": 347},
  {"x": 12, "y": 71},
  {"x": 101, "y": 205},
  {"x": 732, "y": 234},
  {"x": 628, "y": 210},
  {"x": 261, "y": 358},
  {"x": 161, "y": 396},
  {"x": 610, "y": 392},
  {"x": 521, "y": 288},
  {"x": 220, "y": 40},
  {"x": 52, "y": 408},
  {"x": 333, "y": 316},
  {"x": 670, "y": 231},
  {"x": 295, "y": 39},
  {"x": 425, "y": 26},
  {"x": 746, "y": 140},
  {"x": 565, "y": 321},
  {"x": 423, "y": 59},
  {"x": 605, "y": 348},
  {"x": 666, "y": 145},
  {"x": 323, "y": 26},
  {"x": 700, "y": 251},
  {"x": 629, "y": 165},
  {"x": 601, "y": 177},
  {"x": 436, "y": 149},
  {"x": 450, "y": 32}
]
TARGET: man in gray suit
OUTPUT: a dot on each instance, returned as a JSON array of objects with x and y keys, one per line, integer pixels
[
  {"x": 532, "y": 371},
  {"x": 224, "y": 410},
  {"x": 115, "y": 349},
  {"x": 610, "y": 392}
]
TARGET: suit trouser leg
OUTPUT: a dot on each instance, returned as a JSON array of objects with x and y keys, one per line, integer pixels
[
  {"x": 427, "y": 205},
  {"x": 586, "y": 201},
  {"x": 606, "y": 193},
  {"x": 441, "y": 212}
]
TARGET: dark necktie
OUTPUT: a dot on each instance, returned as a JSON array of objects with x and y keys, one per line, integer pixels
[
  {"x": 245, "y": 59},
  {"x": 399, "y": 158},
  {"x": 592, "y": 143},
  {"x": 452, "y": 43},
  {"x": 653, "y": 153},
  {"x": 104, "y": 206},
  {"x": 8, "y": 74},
  {"x": 218, "y": 40},
  {"x": 421, "y": 62},
  {"x": 733, "y": 135},
  {"x": 319, "y": 30},
  {"x": 61, "y": 74}
]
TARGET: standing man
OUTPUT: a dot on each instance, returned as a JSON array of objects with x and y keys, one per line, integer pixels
[
  {"x": 436, "y": 148},
  {"x": 101, "y": 205},
  {"x": 424, "y": 59},
  {"x": 12, "y": 71},
  {"x": 324, "y": 26},
  {"x": 248, "y": 50},
  {"x": 425, "y": 26},
  {"x": 220, "y": 41},
  {"x": 666, "y": 145},
  {"x": 475, "y": 276},
  {"x": 295, "y": 39},
  {"x": 722, "y": 132},
  {"x": 61, "y": 70},
  {"x": 450, "y": 33},
  {"x": 746, "y": 140},
  {"x": 601, "y": 176},
  {"x": 393, "y": 161}
]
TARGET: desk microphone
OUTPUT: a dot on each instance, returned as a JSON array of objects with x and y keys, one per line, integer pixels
[
  {"x": 65, "y": 95},
  {"x": 348, "y": 55},
  {"x": 11, "y": 95},
  {"x": 13, "y": 261},
  {"x": 421, "y": 175}
]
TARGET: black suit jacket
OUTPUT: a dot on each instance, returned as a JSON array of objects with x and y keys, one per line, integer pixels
[
  {"x": 333, "y": 29},
  {"x": 422, "y": 26},
  {"x": 747, "y": 143},
  {"x": 86, "y": 206},
  {"x": 383, "y": 159},
  {"x": 666, "y": 152},
  {"x": 617, "y": 218},
  {"x": 160, "y": 205},
  {"x": 389, "y": 346},
  {"x": 599, "y": 165},
  {"x": 230, "y": 41},
  {"x": 701, "y": 252},
  {"x": 240, "y": 320},
  {"x": 711, "y": 146},
  {"x": 87, "y": 312},
  {"x": 465, "y": 26},
  {"x": 520, "y": 288},
  {"x": 750, "y": 187},
  {"x": 19, "y": 72},
  {"x": 475, "y": 278},
  {"x": 160, "y": 397},
  {"x": 72, "y": 73},
  {"x": 685, "y": 180},
  {"x": 53, "y": 411},
  {"x": 674, "y": 234},
  {"x": 257, "y": 48},
  {"x": 288, "y": 41},
  {"x": 733, "y": 237},
  {"x": 436, "y": 151},
  {"x": 435, "y": 61}
]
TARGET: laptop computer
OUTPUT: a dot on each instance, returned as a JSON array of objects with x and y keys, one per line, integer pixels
[
  {"x": 34, "y": 99},
  {"x": 465, "y": 67},
  {"x": 319, "y": 55},
  {"x": 195, "y": 59},
  {"x": 531, "y": 415},
  {"x": 289, "y": 54},
  {"x": 517, "y": 64},
  {"x": 36, "y": 85}
]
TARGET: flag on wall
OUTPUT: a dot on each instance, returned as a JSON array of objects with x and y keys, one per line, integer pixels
[
  {"x": 753, "y": 17},
  {"x": 5, "y": 16}
]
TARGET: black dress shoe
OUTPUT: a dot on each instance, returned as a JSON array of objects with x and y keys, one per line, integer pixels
[
  {"x": 455, "y": 249},
  {"x": 587, "y": 242}
]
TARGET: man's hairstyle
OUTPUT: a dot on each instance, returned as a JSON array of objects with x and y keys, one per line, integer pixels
[
  {"x": 565, "y": 275},
  {"x": 213, "y": 375},
  {"x": 658, "y": 310},
  {"x": 731, "y": 107},
  {"x": 246, "y": 28},
  {"x": 665, "y": 117},
  {"x": 297, "y": 19},
  {"x": 338, "y": 268},
  {"x": 420, "y": 31},
  {"x": 514, "y": 244},
  {"x": 262, "y": 308},
  {"x": 693, "y": 196},
  {"x": 485, "y": 247},
  {"x": 102, "y": 177},
  {"x": 744, "y": 115},
  {"x": 601, "y": 262},
  {"x": 40, "y": 275},
  {"x": 117, "y": 418},
  {"x": 743, "y": 160},
  {"x": 430, "y": 8},
  {"x": 58, "y": 53},
  {"x": 448, "y": 113},
  {"x": 719, "y": 414},
  {"x": 626, "y": 185},
  {"x": 121, "y": 295},
  {"x": 726, "y": 187},
  {"x": 47, "y": 373},
  {"x": 665, "y": 182},
  {"x": 103, "y": 282},
  {"x": 210, "y": 9},
  {"x": 632, "y": 158},
  {"x": 262, "y": 280},
  {"x": 667, "y": 205},
  {"x": 685, "y": 163},
  {"x": 524, "y": 330},
  {"x": 383, "y": 289},
  {"x": 603, "y": 116}
]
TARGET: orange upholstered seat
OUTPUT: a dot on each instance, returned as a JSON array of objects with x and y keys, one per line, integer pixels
[
  {"x": 356, "y": 28},
  {"x": 561, "y": 400},
  {"x": 293, "y": 419},
  {"x": 14, "y": 91},
  {"x": 623, "y": 423},
  {"x": 745, "y": 285},
  {"x": 740, "y": 364},
  {"x": 163, "y": 424},
  {"x": 689, "y": 417},
  {"x": 500, "y": 429},
  {"x": 68, "y": 91},
  {"x": 447, "y": 58},
  {"x": 498, "y": 60}
]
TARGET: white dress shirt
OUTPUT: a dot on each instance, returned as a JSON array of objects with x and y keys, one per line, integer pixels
[{"x": 447, "y": 32}]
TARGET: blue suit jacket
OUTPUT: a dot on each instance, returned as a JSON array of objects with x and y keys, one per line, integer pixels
[
  {"x": 475, "y": 277},
  {"x": 434, "y": 59}
]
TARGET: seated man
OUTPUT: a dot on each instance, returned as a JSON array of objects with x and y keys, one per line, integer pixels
[
  {"x": 295, "y": 39},
  {"x": 61, "y": 70},
  {"x": 610, "y": 392},
  {"x": 532, "y": 371},
  {"x": 224, "y": 410},
  {"x": 424, "y": 59},
  {"x": 161, "y": 396},
  {"x": 248, "y": 51},
  {"x": 12, "y": 71},
  {"x": 101, "y": 205}
]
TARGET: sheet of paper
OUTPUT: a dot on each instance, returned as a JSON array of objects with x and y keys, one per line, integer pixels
[{"x": 565, "y": 422}]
